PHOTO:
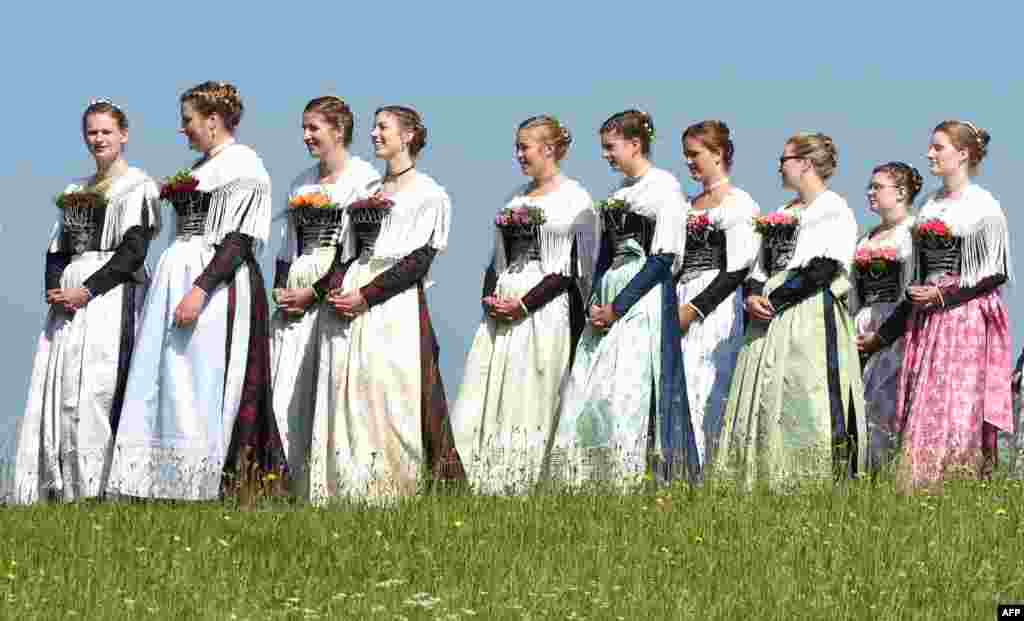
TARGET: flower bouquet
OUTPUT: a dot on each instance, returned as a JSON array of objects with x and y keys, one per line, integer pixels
[
  {"x": 775, "y": 223},
  {"x": 875, "y": 261},
  {"x": 181, "y": 182},
  {"x": 933, "y": 233}
]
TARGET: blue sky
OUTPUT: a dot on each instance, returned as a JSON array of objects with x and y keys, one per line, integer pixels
[{"x": 875, "y": 76}]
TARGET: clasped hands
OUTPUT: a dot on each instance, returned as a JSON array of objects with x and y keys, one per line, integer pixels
[
  {"x": 348, "y": 304},
  {"x": 294, "y": 302},
  {"x": 926, "y": 296},
  {"x": 503, "y": 309},
  {"x": 68, "y": 299}
]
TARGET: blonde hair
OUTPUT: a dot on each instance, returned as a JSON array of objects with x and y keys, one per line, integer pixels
[
  {"x": 554, "y": 133},
  {"x": 969, "y": 137},
  {"x": 217, "y": 97},
  {"x": 819, "y": 150}
]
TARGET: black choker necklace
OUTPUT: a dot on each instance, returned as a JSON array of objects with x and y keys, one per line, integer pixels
[{"x": 397, "y": 175}]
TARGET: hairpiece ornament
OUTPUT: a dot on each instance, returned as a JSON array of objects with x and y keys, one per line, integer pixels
[
  {"x": 648, "y": 127},
  {"x": 563, "y": 132},
  {"x": 103, "y": 100},
  {"x": 977, "y": 133}
]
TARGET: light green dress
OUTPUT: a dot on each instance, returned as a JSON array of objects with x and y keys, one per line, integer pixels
[{"x": 781, "y": 424}]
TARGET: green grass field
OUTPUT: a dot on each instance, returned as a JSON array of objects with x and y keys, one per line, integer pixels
[{"x": 856, "y": 552}]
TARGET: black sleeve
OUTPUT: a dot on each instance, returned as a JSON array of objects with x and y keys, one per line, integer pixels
[
  {"x": 657, "y": 268},
  {"x": 409, "y": 270},
  {"x": 961, "y": 295},
  {"x": 129, "y": 257},
  {"x": 896, "y": 324},
  {"x": 549, "y": 288},
  {"x": 717, "y": 290},
  {"x": 55, "y": 264},
  {"x": 1020, "y": 362},
  {"x": 804, "y": 283},
  {"x": 490, "y": 281},
  {"x": 234, "y": 250},
  {"x": 281, "y": 269}
]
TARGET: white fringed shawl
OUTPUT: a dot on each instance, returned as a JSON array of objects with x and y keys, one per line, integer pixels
[
  {"x": 420, "y": 216},
  {"x": 901, "y": 240},
  {"x": 735, "y": 217},
  {"x": 569, "y": 217},
  {"x": 133, "y": 199},
  {"x": 657, "y": 195},
  {"x": 355, "y": 183},
  {"x": 826, "y": 229},
  {"x": 977, "y": 218},
  {"x": 240, "y": 198}
]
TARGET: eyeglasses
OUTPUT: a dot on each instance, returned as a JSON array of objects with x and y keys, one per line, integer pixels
[
  {"x": 877, "y": 187},
  {"x": 786, "y": 158}
]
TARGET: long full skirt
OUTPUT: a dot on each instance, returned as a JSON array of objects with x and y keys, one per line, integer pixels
[
  {"x": 954, "y": 390},
  {"x": 881, "y": 379},
  {"x": 606, "y": 428},
  {"x": 710, "y": 348},
  {"x": 505, "y": 412},
  {"x": 796, "y": 406},
  {"x": 197, "y": 404},
  {"x": 294, "y": 358},
  {"x": 381, "y": 423},
  {"x": 75, "y": 393}
]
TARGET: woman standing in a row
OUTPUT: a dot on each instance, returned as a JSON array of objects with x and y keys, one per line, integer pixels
[
  {"x": 883, "y": 269},
  {"x": 545, "y": 244},
  {"x": 198, "y": 418},
  {"x": 954, "y": 391},
  {"x": 315, "y": 231},
  {"x": 624, "y": 412},
  {"x": 381, "y": 419},
  {"x": 719, "y": 248},
  {"x": 95, "y": 281},
  {"x": 796, "y": 406}
]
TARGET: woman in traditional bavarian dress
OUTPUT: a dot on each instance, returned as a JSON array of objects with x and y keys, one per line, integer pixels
[
  {"x": 544, "y": 249},
  {"x": 954, "y": 391},
  {"x": 197, "y": 419},
  {"x": 381, "y": 420},
  {"x": 882, "y": 271},
  {"x": 624, "y": 413},
  {"x": 720, "y": 248},
  {"x": 796, "y": 406},
  {"x": 95, "y": 282},
  {"x": 314, "y": 232}
]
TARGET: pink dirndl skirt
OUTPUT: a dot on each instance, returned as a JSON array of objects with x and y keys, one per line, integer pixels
[{"x": 954, "y": 390}]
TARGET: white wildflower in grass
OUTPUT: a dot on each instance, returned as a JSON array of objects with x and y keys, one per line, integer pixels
[
  {"x": 422, "y": 600},
  {"x": 390, "y": 582}
]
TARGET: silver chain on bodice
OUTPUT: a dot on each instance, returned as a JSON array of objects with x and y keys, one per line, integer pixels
[
  {"x": 520, "y": 243},
  {"x": 191, "y": 209},
  {"x": 939, "y": 257},
  {"x": 779, "y": 247},
  {"x": 880, "y": 288},
  {"x": 705, "y": 251},
  {"x": 316, "y": 228},
  {"x": 83, "y": 227},
  {"x": 622, "y": 226},
  {"x": 366, "y": 223}
]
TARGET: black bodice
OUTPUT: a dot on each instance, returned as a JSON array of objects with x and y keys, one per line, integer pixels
[
  {"x": 778, "y": 246},
  {"x": 316, "y": 227},
  {"x": 940, "y": 257},
  {"x": 705, "y": 251},
  {"x": 191, "y": 209},
  {"x": 880, "y": 288},
  {"x": 622, "y": 225},
  {"x": 521, "y": 243},
  {"x": 366, "y": 222},
  {"x": 83, "y": 229}
]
